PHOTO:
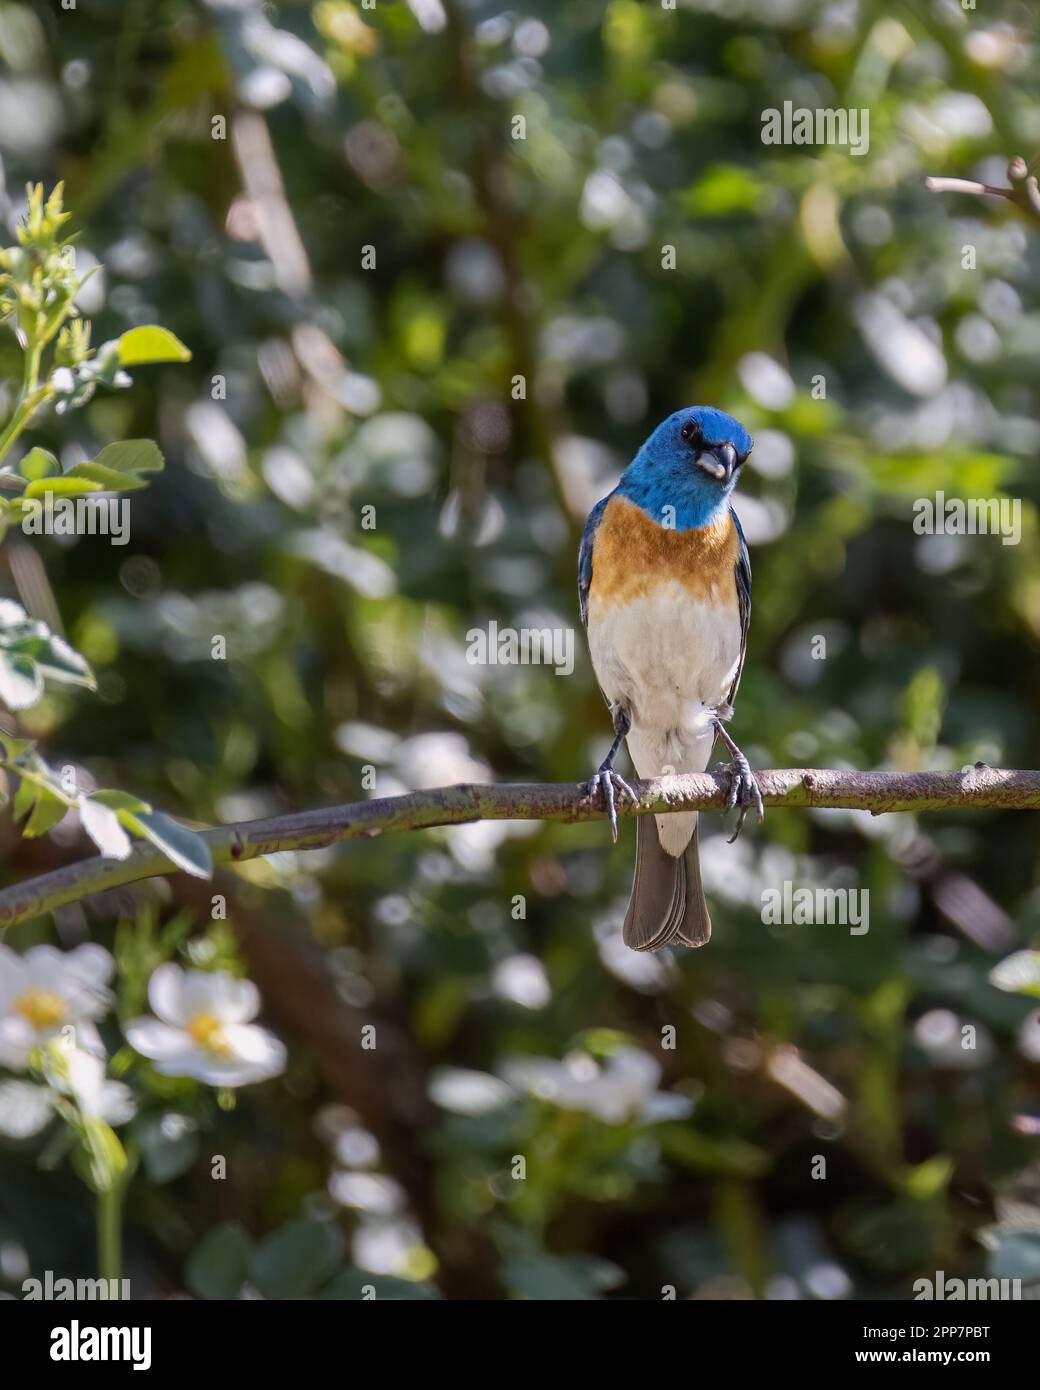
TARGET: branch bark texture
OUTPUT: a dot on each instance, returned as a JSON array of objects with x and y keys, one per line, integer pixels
[{"x": 977, "y": 788}]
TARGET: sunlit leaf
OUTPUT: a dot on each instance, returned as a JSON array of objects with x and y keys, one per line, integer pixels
[
  {"x": 47, "y": 811},
  {"x": 131, "y": 456},
  {"x": 39, "y": 463},
  {"x": 102, "y": 825},
  {"x": 150, "y": 343},
  {"x": 70, "y": 485},
  {"x": 188, "y": 850},
  {"x": 21, "y": 683}
]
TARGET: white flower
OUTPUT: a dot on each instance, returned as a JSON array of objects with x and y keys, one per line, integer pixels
[
  {"x": 45, "y": 990},
  {"x": 370, "y": 1192},
  {"x": 466, "y": 1092},
  {"x": 949, "y": 1042},
  {"x": 388, "y": 1246},
  {"x": 521, "y": 978},
  {"x": 81, "y": 1075},
  {"x": 63, "y": 381},
  {"x": 624, "y": 1089},
  {"x": 25, "y": 1109},
  {"x": 203, "y": 1029}
]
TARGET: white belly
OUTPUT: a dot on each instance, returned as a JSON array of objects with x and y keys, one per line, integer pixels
[{"x": 670, "y": 659}]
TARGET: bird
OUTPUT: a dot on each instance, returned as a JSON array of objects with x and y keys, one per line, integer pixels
[{"x": 664, "y": 586}]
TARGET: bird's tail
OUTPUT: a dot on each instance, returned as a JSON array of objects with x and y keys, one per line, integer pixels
[{"x": 667, "y": 904}]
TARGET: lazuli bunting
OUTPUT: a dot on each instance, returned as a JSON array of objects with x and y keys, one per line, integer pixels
[{"x": 664, "y": 581}]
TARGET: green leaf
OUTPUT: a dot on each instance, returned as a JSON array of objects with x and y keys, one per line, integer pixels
[
  {"x": 296, "y": 1259},
  {"x": 217, "y": 1267},
  {"x": 169, "y": 1146},
  {"x": 41, "y": 795},
  {"x": 24, "y": 799},
  {"x": 130, "y": 456},
  {"x": 102, "y": 825},
  {"x": 107, "y": 479},
  {"x": 30, "y": 652},
  {"x": 188, "y": 850},
  {"x": 106, "y": 1155},
  {"x": 61, "y": 662},
  {"x": 39, "y": 463},
  {"x": 21, "y": 684},
  {"x": 722, "y": 191},
  {"x": 562, "y": 1278},
  {"x": 928, "y": 1179},
  {"x": 67, "y": 486},
  {"x": 47, "y": 811},
  {"x": 120, "y": 801},
  {"x": 12, "y": 616},
  {"x": 150, "y": 343},
  {"x": 15, "y": 749}
]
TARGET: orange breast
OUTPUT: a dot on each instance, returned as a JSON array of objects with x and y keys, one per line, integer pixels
[{"x": 633, "y": 556}]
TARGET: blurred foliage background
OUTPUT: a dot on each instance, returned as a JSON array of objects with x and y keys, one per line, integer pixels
[{"x": 338, "y": 210}]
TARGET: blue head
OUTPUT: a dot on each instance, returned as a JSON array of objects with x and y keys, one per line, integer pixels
[{"x": 690, "y": 463}]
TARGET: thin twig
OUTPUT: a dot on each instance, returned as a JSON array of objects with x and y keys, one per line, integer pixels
[
  {"x": 976, "y": 788},
  {"x": 1023, "y": 191}
]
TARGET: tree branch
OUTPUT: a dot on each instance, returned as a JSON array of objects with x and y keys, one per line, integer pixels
[
  {"x": 977, "y": 788},
  {"x": 1023, "y": 192}
]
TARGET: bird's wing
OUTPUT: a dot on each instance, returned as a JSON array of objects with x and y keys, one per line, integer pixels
[
  {"x": 742, "y": 574},
  {"x": 585, "y": 558}
]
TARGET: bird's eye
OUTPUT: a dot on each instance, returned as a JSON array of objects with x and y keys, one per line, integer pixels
[{"x": 690, "y": 431}]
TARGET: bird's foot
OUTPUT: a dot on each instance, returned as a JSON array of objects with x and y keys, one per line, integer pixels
[
  {"x": 743, "y": 784},
  {"x": 743, "y": 790},
  {"x": 612, "y": 785}
]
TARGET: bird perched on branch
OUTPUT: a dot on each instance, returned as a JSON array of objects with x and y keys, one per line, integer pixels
[{"x": 664, "y": 581}]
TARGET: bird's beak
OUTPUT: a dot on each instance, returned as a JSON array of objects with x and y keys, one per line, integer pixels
[{"x": 720, "y": 461}]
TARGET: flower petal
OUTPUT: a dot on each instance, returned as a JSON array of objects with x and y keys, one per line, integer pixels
[
  {"x": 166, "y": 993},
  {"x": 16, "y": 1038},
  {"x": 193, "y": 1062},
  {"x": 156, "y": 1040},
  {"x": 43, "y": 967},
  {"x": 254, "y": 1055},
  {"x": 24, "y": 1109},
  {"x": 255, "y": 1045},
  {"x": 86, "y": 1037},
  {"x": 228, "y": 999},
  {"x": 116, "y": 1103},
  {"x": 90, "y": 963}
]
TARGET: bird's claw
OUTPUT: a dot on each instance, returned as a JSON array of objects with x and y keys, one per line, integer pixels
[
  {"x": 610, "y": 784},
  {"x": 743, "y": 791}
]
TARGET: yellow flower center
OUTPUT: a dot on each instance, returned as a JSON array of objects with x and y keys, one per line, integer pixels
[
  {"x": 208, "y": 1031},
  {"x": 42, "y": 1007}
]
